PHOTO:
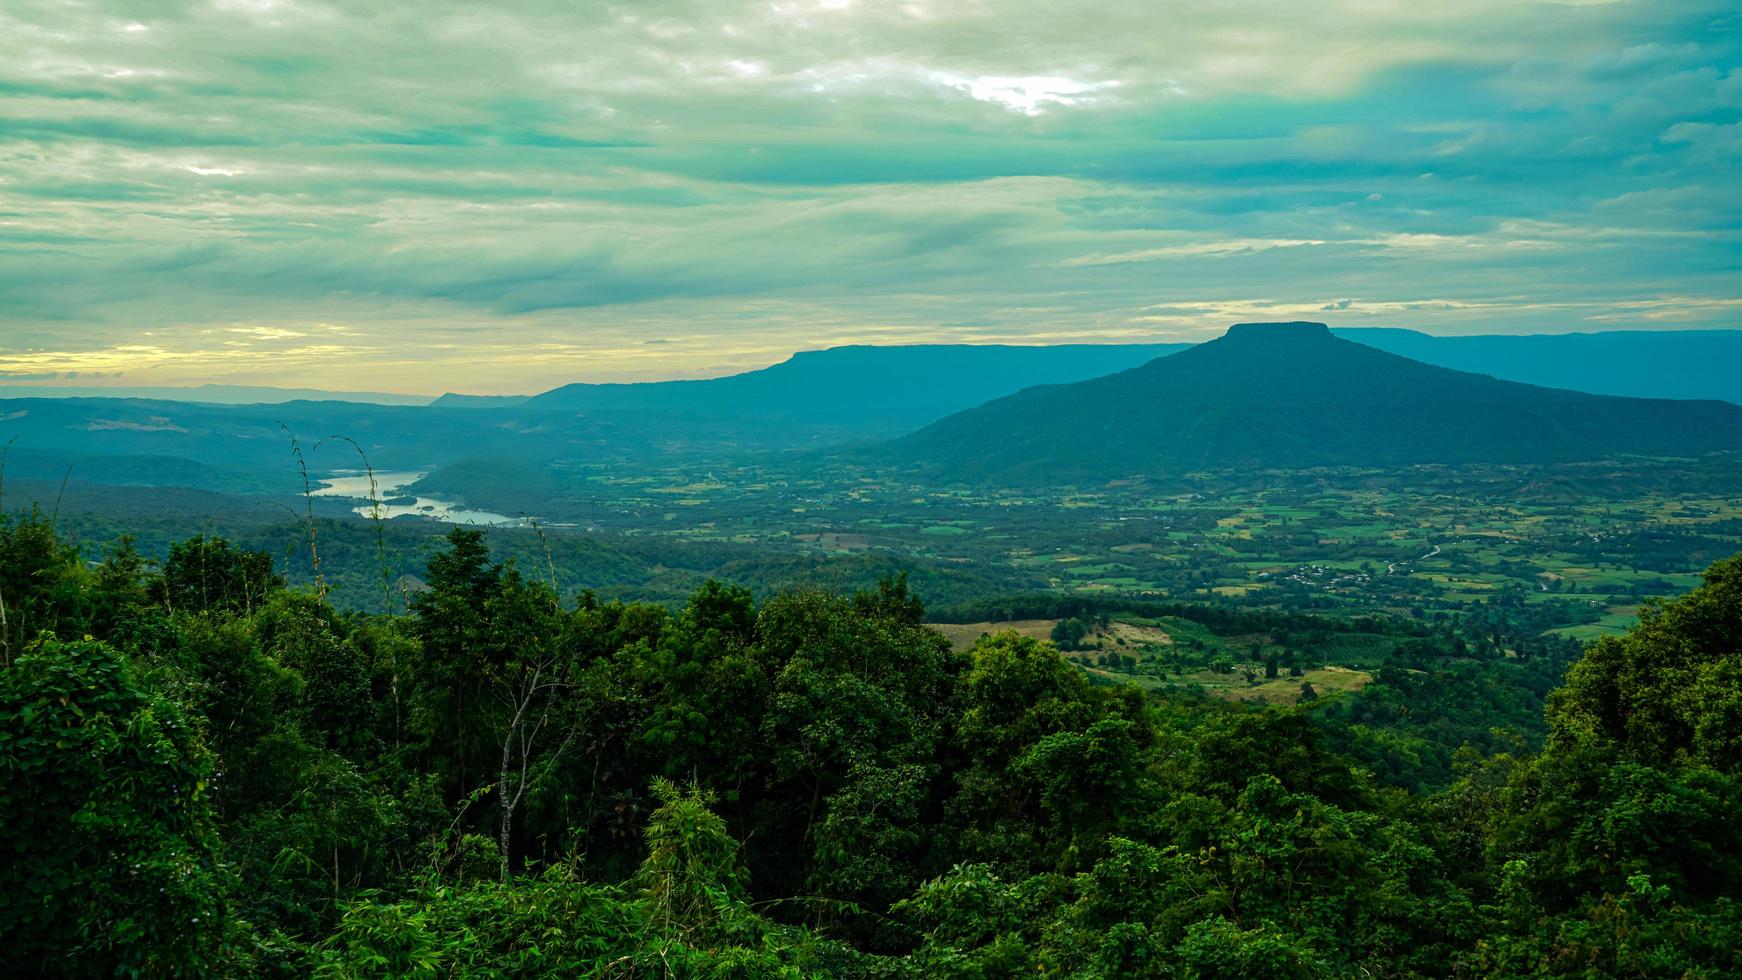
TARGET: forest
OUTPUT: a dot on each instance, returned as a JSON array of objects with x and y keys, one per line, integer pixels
[{"x": 204, "y": 772}]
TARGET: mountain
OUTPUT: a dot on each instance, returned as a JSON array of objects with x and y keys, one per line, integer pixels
[
  {"x": 1292, "y": 395},
  {"x": 508, "y": 449},
  {"x": 212, "y": 394},
  {"x": 888, "y": 390},
  {"x": 475, "y": 447},
  {"x": 870, "y": 391},
  {"x": 1635, "y": 363}
]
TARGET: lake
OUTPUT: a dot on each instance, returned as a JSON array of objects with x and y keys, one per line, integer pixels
[{"x": 355, "y": 485}]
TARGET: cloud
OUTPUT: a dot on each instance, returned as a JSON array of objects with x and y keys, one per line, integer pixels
[{"x": 387, "y": 196}]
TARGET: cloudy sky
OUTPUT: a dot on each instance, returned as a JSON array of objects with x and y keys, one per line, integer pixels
[{"x": 501, "y": 197}]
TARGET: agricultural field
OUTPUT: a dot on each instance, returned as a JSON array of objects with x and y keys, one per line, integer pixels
[
  {"x": 1571, "y": 548},
  {"x": 1570, "y": 551},
  {"x": 1170, "y": 652}
]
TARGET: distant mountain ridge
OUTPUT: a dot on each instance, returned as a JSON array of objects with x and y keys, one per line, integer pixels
[
  {"x": 879, "y": 390},
  {"x": 1635, "y": 363},
  {"x": 1293, "y": 395},
  {"x": 451, "y": 400},
  {"x": 813, "y": 400},
  {"x": 945, "y": 378},
  {"x": 213, "y": 394}
]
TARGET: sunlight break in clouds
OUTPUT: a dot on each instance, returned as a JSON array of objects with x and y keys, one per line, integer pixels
[{"x": 1031, "y": 95}]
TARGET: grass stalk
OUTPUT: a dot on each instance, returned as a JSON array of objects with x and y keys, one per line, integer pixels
[{"x": 314, "y": 552}]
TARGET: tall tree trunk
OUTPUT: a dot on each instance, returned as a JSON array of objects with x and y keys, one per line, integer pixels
[{"x": 505, "y": 835}]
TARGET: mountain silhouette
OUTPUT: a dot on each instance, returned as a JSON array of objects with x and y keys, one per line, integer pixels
[
  {"x": 1293, "y": 395},
  {"x": 874, "y": 391}
]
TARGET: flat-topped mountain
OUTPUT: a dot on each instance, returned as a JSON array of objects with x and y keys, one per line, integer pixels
[{"x": 1292, "y": 395}]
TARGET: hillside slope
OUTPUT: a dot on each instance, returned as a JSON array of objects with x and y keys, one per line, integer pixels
[
  {"x": 880, "y": 391},
  {"x": 1292, "y": 395}
]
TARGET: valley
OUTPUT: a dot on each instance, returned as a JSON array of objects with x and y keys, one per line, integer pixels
[
  {"x": 1427, "y": 541},
  {"x": 835, "y": 490},
  {"x": 1565, "y": 544}
]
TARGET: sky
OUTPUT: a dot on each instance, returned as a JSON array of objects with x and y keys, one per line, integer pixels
[{"x": 503, "y": 197}]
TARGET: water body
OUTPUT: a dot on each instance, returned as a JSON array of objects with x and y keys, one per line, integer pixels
[{"x": 388, "y": 485}]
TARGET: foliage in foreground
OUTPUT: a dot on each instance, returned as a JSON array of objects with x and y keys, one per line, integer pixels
[{"x": 203, "y": 773}]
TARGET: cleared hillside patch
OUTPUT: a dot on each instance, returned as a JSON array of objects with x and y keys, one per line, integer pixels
[{"x": 963, "y": 636}]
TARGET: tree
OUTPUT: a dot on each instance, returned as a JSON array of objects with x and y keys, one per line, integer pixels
[
  {"x": 1034, "y": 736},
  {"x": 1622, "y": 833},
  {"x": 692, "y": 873},
  {"x": 1669, "y": 692},
  {"x": 112, "y": 864},
  {"x": 1068, "y": 634},
  {"x": 1216, "y": 947},
  {"x": 1086, "y": 780},
  {"x": 498, "y": 676},
  {"x": 300, "y": 631},
  {"x": 40, "y": 583},
  {"x": 207, "y": 574},
  {"x": 451, "y": 628},
  {"x": 892, "y": 600},
  {"x": 530, "y": 676},
  {"x": 117, "y": 588}
]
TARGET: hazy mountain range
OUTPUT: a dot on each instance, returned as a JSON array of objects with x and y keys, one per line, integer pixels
[
  {"x": 212, "y": 394},
  {"x": 1637, "y": 363},
  {"x": 913, "y": 385},
  {"x": 1259, "y": 397},
  {"x": 916, "y": 384},
  {"x": 869, "y": 390}
]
